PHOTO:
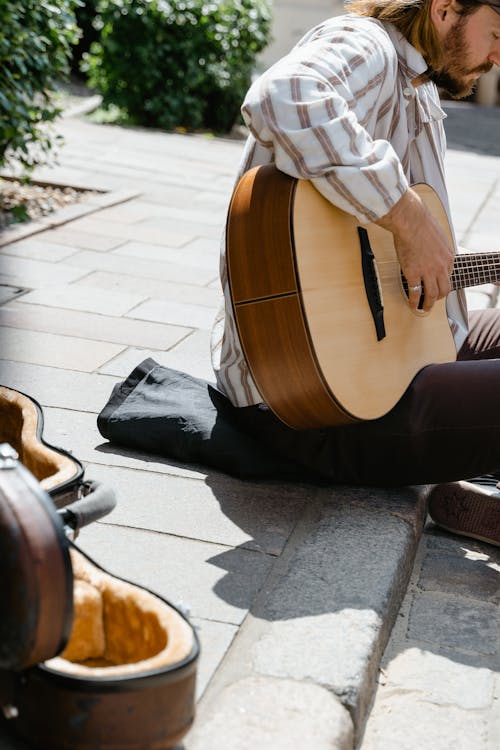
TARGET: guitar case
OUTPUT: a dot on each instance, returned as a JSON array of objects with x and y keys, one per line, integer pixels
[{"x": 88, "y": 661}]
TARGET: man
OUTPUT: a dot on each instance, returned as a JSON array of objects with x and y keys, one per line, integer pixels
[{"x": 355, "y": 109}]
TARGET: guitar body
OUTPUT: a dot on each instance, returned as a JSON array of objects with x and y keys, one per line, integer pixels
[{"x": 301, "y": 302}]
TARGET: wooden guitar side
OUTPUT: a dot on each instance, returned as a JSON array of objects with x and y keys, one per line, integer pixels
[{"x": 267, "y": 305}]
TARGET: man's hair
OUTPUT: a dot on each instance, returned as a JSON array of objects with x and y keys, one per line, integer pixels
[{"x": 412, "y": 18}]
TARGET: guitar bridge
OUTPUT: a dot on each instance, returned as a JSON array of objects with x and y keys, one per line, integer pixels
[{"x": 372, "y": 285}]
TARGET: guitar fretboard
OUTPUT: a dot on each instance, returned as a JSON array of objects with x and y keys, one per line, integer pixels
[{"x": 474, "y": 269}]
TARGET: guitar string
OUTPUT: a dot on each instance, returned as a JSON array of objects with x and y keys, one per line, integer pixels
[{"x": 471, "y": 269}]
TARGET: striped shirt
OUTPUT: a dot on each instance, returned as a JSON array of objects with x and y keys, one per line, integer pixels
[{"x": 340, "y": 110}]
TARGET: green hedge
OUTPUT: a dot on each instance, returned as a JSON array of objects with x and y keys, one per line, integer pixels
[
  {"x": 35, "y": 48},
  {"x": 178, "y": 63}
]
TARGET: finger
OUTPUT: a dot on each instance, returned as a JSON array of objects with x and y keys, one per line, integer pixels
[
  {"x": 444, "y": 287},
  {"x": 414, "y": 294},
  {"x": 430, "y": 296}
]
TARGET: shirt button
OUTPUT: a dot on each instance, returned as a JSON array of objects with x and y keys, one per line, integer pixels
[{"x": 407, "y": 91}]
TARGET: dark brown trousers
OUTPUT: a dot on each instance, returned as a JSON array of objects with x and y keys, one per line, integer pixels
[{"x": 445, "y": 427}]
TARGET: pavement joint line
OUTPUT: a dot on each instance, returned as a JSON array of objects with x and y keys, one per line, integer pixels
[
  {"x": 69, "y": 336},
  {"x": 72, "y": 309},
  {"x": 209, "y": 619},
  {"x": 194, "y": 539},
  {"x": 131, "y": 453},
  {"x": 6, "y": 324},
  {"x": 60, "y": 367},
  {"x": 148, "y": 471},
  {"x": 50, "y": 367}
]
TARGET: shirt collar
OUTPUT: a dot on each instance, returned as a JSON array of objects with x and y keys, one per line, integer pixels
[{"x": 411, "y": 62}]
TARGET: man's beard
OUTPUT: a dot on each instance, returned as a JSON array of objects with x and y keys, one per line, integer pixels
[{"x": 454, "y": 70}]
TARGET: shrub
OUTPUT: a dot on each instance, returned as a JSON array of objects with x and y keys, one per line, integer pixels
[
  {"x": 174, "y": 63},
  {"x": 35, "y": 47},
  {"x": 85, "y": 14}
]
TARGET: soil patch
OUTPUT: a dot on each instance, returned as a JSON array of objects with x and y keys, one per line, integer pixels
[{"x": 21, "y": 202}]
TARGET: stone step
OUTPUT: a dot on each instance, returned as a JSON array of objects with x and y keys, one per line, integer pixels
[{"x": 309, "y": 651}]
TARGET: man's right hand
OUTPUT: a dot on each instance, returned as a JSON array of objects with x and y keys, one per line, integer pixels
[{"x": 424, "y": 252}]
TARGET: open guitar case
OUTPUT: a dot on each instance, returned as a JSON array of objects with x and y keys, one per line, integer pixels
[{"x": 88, "y": 661}]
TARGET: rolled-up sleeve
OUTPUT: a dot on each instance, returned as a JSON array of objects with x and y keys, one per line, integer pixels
[{"x": 321, "y": 110}]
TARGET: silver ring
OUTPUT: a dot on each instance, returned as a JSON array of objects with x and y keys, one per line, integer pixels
[{"x": 416, "y": 288}]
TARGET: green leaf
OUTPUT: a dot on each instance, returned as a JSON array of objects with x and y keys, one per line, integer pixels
[{"x": 19, "y": 214}]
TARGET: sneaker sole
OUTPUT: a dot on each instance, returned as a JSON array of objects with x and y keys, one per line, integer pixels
[{"x": 466, "y": 512}]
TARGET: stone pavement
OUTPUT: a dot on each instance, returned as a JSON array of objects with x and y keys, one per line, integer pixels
[{"x": 294, "y": 589}]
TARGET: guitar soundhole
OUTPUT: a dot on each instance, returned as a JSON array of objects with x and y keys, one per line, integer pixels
[{"x": 420, "y": 305}]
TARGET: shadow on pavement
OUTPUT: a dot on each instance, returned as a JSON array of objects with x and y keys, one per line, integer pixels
[{"x": 470, "y": 127}]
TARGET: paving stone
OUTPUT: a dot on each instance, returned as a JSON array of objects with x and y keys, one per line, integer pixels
[
  {"x": 143, "y": 268},
  {"x": 55, "y": 351},
  {"x": 173, "y": 195},
  {"x": 87, "y": 325},
  {"x": 481, "y": 240},
  {"x": 187, "y": 293},
  {"x": 202, "y": 247},
  {"x": 465, "y": 206},
  {"x": 407, "y": 721},
  {"x": 69, "y": 213},
  {"x": 190, "y": 355},
  {"x": 131, "y": 212},
  {"x": 215, "y": 639},
  {"x": 83, "y": 176},
  {"x": 34, "y": 273},
  {"x": 177, "y": 196},
  {"x": 220, "y": 509},
  {"x": 216, "y": 582},
  {"x": 59, "y": 388},
  {"x": 175, "y": 313},
  {"x": 194, "y": 213},
  {"x": 193, "y": 254},
  {"x": 168, "y": 226},
  {"x": 466, "y": 575},
  {"x": 77, "y": 238},
  {"x": 167, "y": 234},
  {"x": 443, "y": 681},
  {"x": 455, "y": 622},
  {"x": 39, "y": 249},
  {"x": 272, "y": 714},
  {"x": 85, "y": 299}
]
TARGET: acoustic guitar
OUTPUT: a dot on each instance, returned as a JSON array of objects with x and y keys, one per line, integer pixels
[{"x": 321, "y": 305}]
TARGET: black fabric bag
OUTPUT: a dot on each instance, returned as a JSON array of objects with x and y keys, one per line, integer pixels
[{"x": 168, "y": 413}]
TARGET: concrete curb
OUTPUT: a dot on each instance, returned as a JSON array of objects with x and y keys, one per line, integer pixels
[{"x": 322, "y": 620}]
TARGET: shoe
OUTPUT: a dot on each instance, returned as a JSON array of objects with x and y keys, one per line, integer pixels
[{"x": 468, "y": 508}]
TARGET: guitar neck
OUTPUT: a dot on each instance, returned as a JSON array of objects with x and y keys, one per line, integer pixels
[{"x": 474, "y": 269}]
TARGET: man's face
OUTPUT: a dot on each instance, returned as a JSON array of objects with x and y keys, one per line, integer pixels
[{"x": 471, "y": 46}]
